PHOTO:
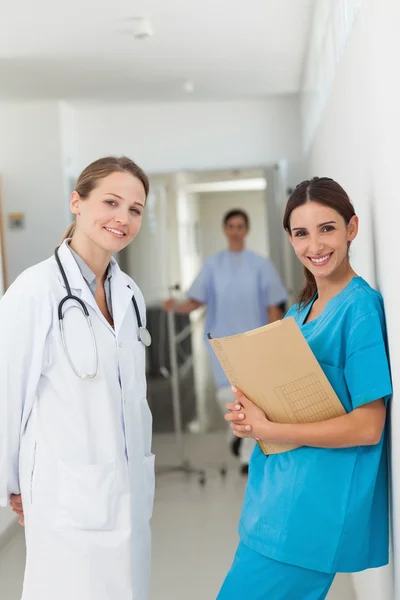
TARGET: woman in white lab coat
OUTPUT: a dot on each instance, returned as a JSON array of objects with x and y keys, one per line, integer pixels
[{"x": 75, "y": 426}]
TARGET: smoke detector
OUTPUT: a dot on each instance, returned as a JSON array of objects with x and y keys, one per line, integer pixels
[{"x": 142, "y": 28}]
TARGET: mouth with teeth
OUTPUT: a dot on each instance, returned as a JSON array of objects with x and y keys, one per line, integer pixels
[
  {"x": 320, "y": 261},
  {"x": 115, "y": 232}
]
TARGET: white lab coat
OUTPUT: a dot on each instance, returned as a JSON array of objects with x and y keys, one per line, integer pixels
[{"x": 78, "y": 450}]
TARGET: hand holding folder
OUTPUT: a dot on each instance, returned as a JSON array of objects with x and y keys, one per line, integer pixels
[{"x": 275, "y": 368}]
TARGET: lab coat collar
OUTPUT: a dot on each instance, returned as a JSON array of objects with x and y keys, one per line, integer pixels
[
  {"x": 121, "y": 293},
  {"x": 121, "y": 298}
]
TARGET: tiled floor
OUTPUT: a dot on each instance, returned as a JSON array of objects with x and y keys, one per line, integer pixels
[{"x": 194, "y": 528}]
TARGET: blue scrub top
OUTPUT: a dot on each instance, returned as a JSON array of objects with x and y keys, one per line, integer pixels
[
  {"x": 327, "y": 509},
  {"x": 237, "y": 288}
]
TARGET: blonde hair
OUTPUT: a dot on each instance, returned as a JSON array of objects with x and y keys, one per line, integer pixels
[
  {"x": 69, "y": 232},
  {"x": 88, "y": 179}
]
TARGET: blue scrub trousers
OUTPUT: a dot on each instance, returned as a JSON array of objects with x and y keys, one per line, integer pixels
[{"x": 256, "y": 577}]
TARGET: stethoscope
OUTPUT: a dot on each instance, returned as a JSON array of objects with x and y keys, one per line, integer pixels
[{"x": 143, "y": 333}]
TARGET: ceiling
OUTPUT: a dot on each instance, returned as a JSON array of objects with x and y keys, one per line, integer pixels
[{"x": 84, "y": 49}]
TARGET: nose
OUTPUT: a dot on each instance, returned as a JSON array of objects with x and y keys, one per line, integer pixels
[
  {"x": 122, "y": 215},
  {"x": 316, "y": 245}
]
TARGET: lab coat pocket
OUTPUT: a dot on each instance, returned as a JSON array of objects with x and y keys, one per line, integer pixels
[
  {"x": 87, "y": 496},
  {"x": 149, "y": 477}
]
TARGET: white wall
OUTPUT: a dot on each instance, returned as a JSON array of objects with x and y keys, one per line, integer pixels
[
  {"x": 69, "y": 145},
  {"x": 191, "y": 135},
  {"x": 357, "y": 143},
  {"x": 32, "y": 180},
  {"x": 213, "y": 207}
]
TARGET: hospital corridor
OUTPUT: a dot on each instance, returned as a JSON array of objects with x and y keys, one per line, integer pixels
[{"x": 199, "y": 349}]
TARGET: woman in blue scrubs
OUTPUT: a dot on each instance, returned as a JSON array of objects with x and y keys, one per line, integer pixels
[{"x": 322, "y": 508}]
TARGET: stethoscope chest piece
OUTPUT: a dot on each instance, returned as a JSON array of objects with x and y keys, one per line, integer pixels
[{"x": 144, "y": 336}]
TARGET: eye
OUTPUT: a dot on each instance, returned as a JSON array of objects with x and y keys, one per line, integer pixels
[
  {"x": 328, "y": 228},
  {"x": 111, "y": 202},
  {"x": 137, "y": 211},
  {"x": 300, "y": 234}
]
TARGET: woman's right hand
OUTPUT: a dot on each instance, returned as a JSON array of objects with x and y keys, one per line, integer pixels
[
  {"x": 16, "y": 505},
  {"x": 169, "y": 305}
]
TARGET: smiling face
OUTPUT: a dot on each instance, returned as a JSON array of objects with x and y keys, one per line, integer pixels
[
  {"x": 111, "y": 215},
  {"x": 320, "y": 238}
]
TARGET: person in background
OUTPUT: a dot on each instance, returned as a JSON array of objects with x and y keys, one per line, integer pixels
[
  {"x": 241, "y": 291},
  {"x": 322, "y": 508}
]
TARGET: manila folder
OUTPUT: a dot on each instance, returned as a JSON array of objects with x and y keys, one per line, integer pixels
[{"x": 275, "y": 368}]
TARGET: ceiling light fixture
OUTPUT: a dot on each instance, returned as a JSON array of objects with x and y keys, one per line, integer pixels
[
  {"x": 188, "y": 87},
  {"x": 142, "y": 28}
]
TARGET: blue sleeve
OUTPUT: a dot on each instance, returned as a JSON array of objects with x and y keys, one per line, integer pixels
[
  {"x": 199, "y": 290},
  {"x": 366, "y": 370},
  {"x": 272, "y": 289}
]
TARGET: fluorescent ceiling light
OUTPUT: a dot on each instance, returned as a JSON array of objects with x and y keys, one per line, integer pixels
[{"x": 235, "y": 185}]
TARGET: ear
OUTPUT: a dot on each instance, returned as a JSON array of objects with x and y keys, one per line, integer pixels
[
  {"x": 74, "y": 203},
  {"x": 352, "y": 228}
]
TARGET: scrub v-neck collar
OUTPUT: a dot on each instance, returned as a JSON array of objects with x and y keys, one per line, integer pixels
[{"x": 330, "y": 305}]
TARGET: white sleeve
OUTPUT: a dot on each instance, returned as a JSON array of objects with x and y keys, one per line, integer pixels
[{"x": 25, "y": 319}]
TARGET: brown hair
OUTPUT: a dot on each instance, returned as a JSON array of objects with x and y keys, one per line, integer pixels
[
  {"x": 237, "y": 212},
  {"x": 324, "y": 191},
  {"x": 88, "y": 179}
]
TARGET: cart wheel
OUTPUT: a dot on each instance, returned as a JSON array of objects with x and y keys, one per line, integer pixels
[
  {"x": 202, "y": 478},
  {"x": 223, "y": 471}
]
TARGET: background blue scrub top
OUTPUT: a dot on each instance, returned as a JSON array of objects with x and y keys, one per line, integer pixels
[
  {"x": 237, "y": 288},
  {"x": 327, "y": 509}
]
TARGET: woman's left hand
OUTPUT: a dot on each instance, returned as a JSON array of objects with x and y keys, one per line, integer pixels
[
  {"x": 246, "y": 419},
  {"x": 17, "y": 507}
]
